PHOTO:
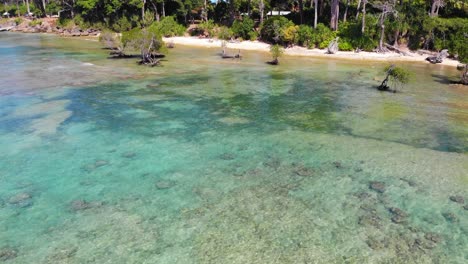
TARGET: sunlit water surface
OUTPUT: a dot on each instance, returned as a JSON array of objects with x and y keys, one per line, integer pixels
[{"x": 207, "y": 160}]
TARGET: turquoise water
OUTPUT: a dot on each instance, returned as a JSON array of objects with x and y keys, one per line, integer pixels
[{"x": 210, "y": 161}]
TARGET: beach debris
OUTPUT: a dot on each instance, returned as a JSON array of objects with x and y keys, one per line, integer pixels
[
  {"x": 8, "y": 254},
  {"x": 457, "y": 199},
  {"x": 377, "y": 186},
  {"x": 21, "y": 200},
  {"x": 164, "y": 184},
  {"x": 129, "y": 154},
  {"x": 80, "y": 205},
  {"x": 439, "y": 58},
  {"x": 399, "y": 216},
  {"x": 451, "y": 217},
  {"x": 227, "y": 156},
  {"x": 333, "y": 46}
]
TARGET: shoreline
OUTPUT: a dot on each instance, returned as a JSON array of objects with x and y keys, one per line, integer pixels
[{"x": 304, "y": 52}]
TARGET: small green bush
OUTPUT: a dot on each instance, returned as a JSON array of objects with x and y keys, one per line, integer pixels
[
  {"x": 305, "y": 34},
  {"x": 168, "y": 27},
  {"x": 18, "y": 20},
  {"x": 122, "y": 25},
  {"x": 344, "y": 45},
  {"x": 273, "y": 29},
  {"x": 253, "y": 35},
  {"x": 243, "y": 28},
  {"x": 276, "y": 51},
  {"x": 35, "y": 23},
  {"x": 207, "y": 27},
  {"x": 224, "y": 33},
  {"x": 323, "y": 36}
]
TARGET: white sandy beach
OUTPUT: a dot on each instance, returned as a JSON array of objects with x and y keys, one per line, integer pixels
[{"x": 301, "y": 51}]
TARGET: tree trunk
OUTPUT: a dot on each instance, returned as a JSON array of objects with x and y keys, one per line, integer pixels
[
  {"x": 248, "y": 7},
  {"x": 346, "y": 11},
  {"x": 433, "y": 8},
  {"x": 363, "y": 29},
  {"x": 382, "y": 33},
  {"x": 163, "y": 9},
  {"x": 155, "y": 7},
  {"x": 27, "y": 7},
  {"x": 358, "y": 6},
  {"x": 143, "y": 10},
  {"x": 321, "y": 8},
  {"x": 44, "y": 7},
  {"x": 397, "y": 34},
  {"x": 335, "y": 11},
  {"x": 261, "y": 8},
  {"x": 17, "y": 8},
  {"x": 315, "y": 13}
]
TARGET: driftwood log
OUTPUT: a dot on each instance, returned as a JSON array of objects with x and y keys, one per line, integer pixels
[
  {"x": 397, "y": 50},
  {"x": 273, "y": 62},
  {"x": 439, "y": 58},
  {"x": 333, "y": 46}
]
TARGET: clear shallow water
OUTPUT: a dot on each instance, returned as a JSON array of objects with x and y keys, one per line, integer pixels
[{"x": 210, "y": 161}]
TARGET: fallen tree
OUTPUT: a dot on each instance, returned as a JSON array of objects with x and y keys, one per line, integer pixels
[{"x": 148, "y": 42}]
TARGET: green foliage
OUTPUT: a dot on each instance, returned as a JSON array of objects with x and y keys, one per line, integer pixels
[
  {"x": 145, "y": 41},
  {"x": 276, "y": 51},
  {"x": 397, "y": 74},
  {"x": 122, "y": 24},
  {"x": 344, "y": 45},
  {"x": 148, "y": 19},
  {"x": 110, "y": 39},
  {"x": 35, "y": 22},
  {"x": 253, "y": 35},
  {"x": 207, "y": 27},
  {"x": 305, "y": 34},
  {"x": 243, "y": 28},
  {"x": 272, "y": 30},
  {"x": 18, "y": 20},
  {"x": 323, "y": 36},
  {"x": 224, "y": 33},
  {"x": 291, "y": 35},
  {"x": 168, "y": 27}
]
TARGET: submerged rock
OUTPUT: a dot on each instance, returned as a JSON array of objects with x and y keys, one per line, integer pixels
[
  {"x": 362, "y": 195},
  {"x": 62, "y": 255},
  {"x": 274, "y": 163},
  {"x": 451, "y": 217},
  {"x": 465, "y": 207},
  {"x": 399, "y": 216},
  {"x": 370, "y": 219},
  {"x": 100, "y": 163},
  {"x": 164, "y": 184},
  {"x": 21, "y": 200},
  {"x": 227, "y": 156},
  {"x": 129, "y": 154},
  {"x": 80, "y": 205},
  {"x": 377, "y": 186},
  {"x": 375, "y": 244},
  {"x": 337, "y": 164},
  {"x": 2, "y": 203},
  {"x": 303, "y": 171},
  {"x": 457, "y": 198},
  {"x": 436, "y": 238},
  {"x": 7, "y": 254}
]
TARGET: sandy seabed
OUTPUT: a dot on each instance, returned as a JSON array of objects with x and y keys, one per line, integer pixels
[{"x": 301, "y": 51}]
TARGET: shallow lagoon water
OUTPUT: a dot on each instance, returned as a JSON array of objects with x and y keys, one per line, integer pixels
[{"x": 206, "y": 160}]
